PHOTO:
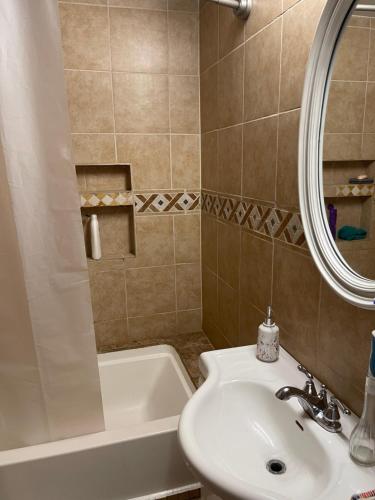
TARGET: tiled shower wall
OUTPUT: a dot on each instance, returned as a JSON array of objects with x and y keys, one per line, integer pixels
[
  {"x": 350, "y": 126},
  {"x": 253, "y": 248},
  {"x": 131, "y": 69}
]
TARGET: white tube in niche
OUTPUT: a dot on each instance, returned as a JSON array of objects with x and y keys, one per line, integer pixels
[{"x": 96, "y": 248}]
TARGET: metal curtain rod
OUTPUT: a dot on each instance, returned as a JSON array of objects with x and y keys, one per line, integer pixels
[
  {"x": 362, "y": 7},
  {"x": 241, "y": 8}
]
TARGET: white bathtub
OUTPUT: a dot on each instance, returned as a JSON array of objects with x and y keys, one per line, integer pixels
[{"x": 137, "y": 456}]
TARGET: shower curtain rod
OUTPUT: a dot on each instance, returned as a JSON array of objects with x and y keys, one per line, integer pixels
[
  {"x": 241, "y": 8},
  {"x": 362, "y": 7}
]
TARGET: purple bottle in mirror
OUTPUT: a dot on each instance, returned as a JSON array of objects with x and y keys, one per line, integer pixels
[{"x": 332, "y": 219}]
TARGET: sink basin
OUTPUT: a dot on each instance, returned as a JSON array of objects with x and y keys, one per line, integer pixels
[{"x": 244, "y": 443}]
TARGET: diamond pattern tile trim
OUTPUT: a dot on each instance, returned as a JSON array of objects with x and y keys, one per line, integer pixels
[
  {"x": 280, "y": 224},
  {"x": 174, "y": 202},
  {"x": 113, "y": 199},
  {"x": 348, "y": 190}
]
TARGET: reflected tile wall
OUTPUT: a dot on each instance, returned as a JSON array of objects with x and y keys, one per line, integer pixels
[
  {"x": 132, "y": 79},
  {"x": 253, "y": 248}
]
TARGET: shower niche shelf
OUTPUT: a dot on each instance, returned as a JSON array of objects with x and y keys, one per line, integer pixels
[{"x": 106, "y": 190}]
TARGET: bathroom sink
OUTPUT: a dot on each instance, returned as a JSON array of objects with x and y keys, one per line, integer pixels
[{"x": 244, "y": 443}]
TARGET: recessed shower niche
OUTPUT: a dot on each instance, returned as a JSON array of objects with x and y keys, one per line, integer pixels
[{"x": 106, "y": 190}]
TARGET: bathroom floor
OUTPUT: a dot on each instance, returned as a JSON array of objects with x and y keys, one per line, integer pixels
[{"x": 188, "y": 345}]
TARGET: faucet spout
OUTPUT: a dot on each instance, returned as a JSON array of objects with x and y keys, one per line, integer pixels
[{"x": 287, "y": 392}]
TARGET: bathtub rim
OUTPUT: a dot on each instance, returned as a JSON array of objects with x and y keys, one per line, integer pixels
[{"x": 106, "y": 437}]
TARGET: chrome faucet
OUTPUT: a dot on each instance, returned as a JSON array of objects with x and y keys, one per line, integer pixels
[{"x": 316, "y": 405}]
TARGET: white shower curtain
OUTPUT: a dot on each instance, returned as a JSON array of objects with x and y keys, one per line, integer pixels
[{"x": 49, "y": 383}]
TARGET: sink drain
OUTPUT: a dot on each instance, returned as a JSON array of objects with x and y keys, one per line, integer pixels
[{"x": 276, "y": 467}]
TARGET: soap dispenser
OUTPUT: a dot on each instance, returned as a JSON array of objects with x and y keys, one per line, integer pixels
[
  {"x": 268, "y": 339},
  {"x": 362, "y": 440}
]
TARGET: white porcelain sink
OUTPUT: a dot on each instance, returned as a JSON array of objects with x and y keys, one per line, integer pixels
[{"x": 234, "y": 425}]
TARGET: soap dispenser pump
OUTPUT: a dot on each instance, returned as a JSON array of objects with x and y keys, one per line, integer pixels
[{"x": 268, "y": 339}]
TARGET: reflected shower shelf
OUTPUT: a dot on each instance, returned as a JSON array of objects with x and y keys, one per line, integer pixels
[
  {"x": 106, "y": 199},
  {"x": 348, "y": 190}
]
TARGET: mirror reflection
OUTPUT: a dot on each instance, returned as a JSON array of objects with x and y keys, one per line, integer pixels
[{"x": 349, "y": 142}]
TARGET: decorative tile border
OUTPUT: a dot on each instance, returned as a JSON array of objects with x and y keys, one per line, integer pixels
[
  {"x": 172, "y": 202},
  {"x": 281, "y": 224},
  {"x": 113, "y": 199},
  {"x": 348, "y": 190}
]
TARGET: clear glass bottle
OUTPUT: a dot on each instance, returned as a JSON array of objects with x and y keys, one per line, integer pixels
[{"x": 362, "y": 440}]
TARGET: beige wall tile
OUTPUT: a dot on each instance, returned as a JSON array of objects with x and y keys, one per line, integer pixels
[
  {"x": 85, "y": 36},
  {"x": 208, "y": 35},
  {"x": 230, "y": 160},
  {"x": 154, "y": 326},
  {"x": 262, "y": 13},
  {"x": 149, "y": 157},
  {"x": 352, "y": 55},
  {"x": 359, "y": 21},
  {"x": 342, "y": 147},
  {"x": 296, "y": 288},
  {"x": 189, "y": 321},
  {"x": 94, "y": 148},
  {"x": 231, "y": 31},
  {"x": 348, "y": 118},
  {"x": 352, "y": 362},
  {"x": 108, "y": 295},
  {"x": 260, "y": 155},
  {"x": 210, "y": 166},
  {"x": 140, "y": 4},
  {"x": 230, "y": 89},
  {"x": 187, "y": 230},
  {"x": 370, "y": 108},
  {"x": 154, "y": 236},
  {"x": 185, "y": 154},
  {"x": 141, "y": 103},
  {"x": 250, "y": 319},
  {"x": 111, "y": 334},
  {"x": 187, "y": 5},
  {"x": 368, "y": 147},
  {"x": 105, "y": 178},
  {"x": 90, "y": 101},
  {"x": 262, "y": 72},
  {"x": 209, "y": 297},
  {"x": 256, "y": 270},
  {"x": 184, "y": 104},
  {"x": 183, "y": 43},
  {"x": 209, "y": 242},
  {"x": 229, "y": 246},
  {"x": 215, "y": 336},
  {"x": 139, "y": 40},
  {"x": 188, "y": 286},
  {"x": 209, "y": 99},
  {"x": 371, "y": 62},
  {"x": 150, "y": 290},
  {"x": 287, "y": 166},
  {"x": 229, "y": 313},
  {"x": 299, "y": 25}
]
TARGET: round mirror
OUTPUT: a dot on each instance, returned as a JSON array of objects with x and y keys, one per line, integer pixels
[{"x": 337, "y": 150}]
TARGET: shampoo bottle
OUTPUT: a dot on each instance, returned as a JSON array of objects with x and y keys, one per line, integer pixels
[
  {"x": 362, "y": 440},
  {"x": 96, "y": 250},
  {"x": 268, "y": 339}
]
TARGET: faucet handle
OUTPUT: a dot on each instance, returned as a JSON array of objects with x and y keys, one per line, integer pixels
[
  {"x": 323, "y": 395},
  {"x": 336, "y": 402},
  {"x": 310, "y": 388},
  {"x": 305, "y": 371}
]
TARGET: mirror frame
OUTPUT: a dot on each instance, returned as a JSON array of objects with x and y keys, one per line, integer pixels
[{"x": 347, "y": 283}]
